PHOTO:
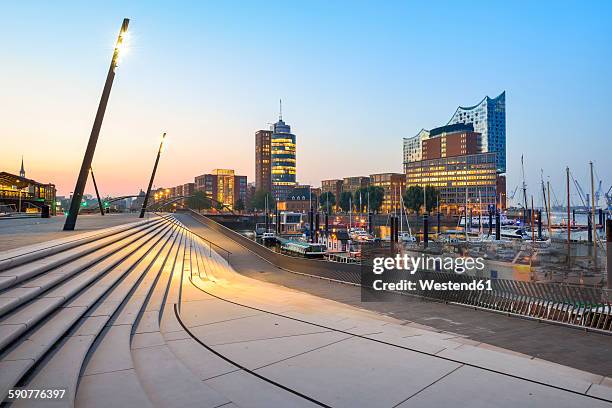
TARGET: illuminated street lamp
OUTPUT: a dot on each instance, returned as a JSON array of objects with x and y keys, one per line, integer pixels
[
  {"x": 95, "y": 131},
  {"x": 146, "y": 199}
]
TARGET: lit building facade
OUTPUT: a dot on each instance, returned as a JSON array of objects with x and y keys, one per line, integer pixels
[
  {"x": 263, "y": 160},
  {"x": 25, "y": 195},
  {"x": 452, "y": 176},
  {"x": 223, "y": 186},
  {"x": 283, "y": 160},
  {"x": 394, "y": 185},
  {"x": 489, "y": 119},
  {"x": 413, "y": 147}
]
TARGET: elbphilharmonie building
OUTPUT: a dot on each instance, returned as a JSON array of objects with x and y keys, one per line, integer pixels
[{"x": 489, "y": 119}]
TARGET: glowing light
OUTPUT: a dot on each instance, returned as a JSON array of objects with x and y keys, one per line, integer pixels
[{"x": 122, "y": 47}]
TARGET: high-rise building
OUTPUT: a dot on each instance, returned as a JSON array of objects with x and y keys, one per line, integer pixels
[
  {"x": 413, "y": 147},
  {"x": 263, "y": 180},
  {"x": 222, "y": 186},
  {"x": 489, "y": 119},
  {"x": 394, "y": 185},
  {"x": 283, "y": 160}
]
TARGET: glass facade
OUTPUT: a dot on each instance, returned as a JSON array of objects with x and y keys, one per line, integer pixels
[
  {"x": 489, "y": 119},
  {"x": 283, "y": 160},
  {"x": 413, "y": 147},
  {"x": 452, "y": 176}
]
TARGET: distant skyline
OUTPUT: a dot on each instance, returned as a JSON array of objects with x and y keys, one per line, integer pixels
[{"x": 355, "y": 79}]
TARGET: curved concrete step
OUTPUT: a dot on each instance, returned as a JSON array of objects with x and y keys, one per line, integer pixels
[
  {"x": 27, "y": 315},
  {"x": 109, "y": 361},
  {"x": 63, "y": 367},
  {"x": 22, "y": 255},
  {"x": 167, "y": 381},
  {"x": 28, "y": 350},
  {"x": 14, "y": 275},
  {"x": 25, "y": 291}
]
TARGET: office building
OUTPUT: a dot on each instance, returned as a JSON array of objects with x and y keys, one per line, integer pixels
[
  {"x": 283, "y": 157},
  {"x": 263, "y": 179},
  {"x": 453, "y": 176},
  {"x": 332, "y": 186},
  {"x": 393, "y": 184},
  {"x": 223, "y": 187},
  {"x": 489, "y": 119}
]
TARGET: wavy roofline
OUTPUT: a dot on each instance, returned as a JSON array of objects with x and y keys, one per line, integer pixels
[{"x": 503, "y": 94}]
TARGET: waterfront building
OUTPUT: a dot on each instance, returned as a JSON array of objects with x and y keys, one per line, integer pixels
[
  {"x": 413, "y": 147},
  {"x": 223, "y": 186},
  {"x": 451, "y": 140},
  {"x": 452, "y": 176},
  {"x": 300, "y": 199},
  {"x": 283, "y": 160},
  {"x": 489, "y": 119},
  {"x": 393, "y": 184},
  {"x": 21, "y": 194},
  {"x": 352, "y": 184},
  {"x": 332, "y": 186},
  {"x": 263, "y": 160}
]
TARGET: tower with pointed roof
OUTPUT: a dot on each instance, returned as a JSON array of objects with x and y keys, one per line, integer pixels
[{"x": 22, "y": 171}]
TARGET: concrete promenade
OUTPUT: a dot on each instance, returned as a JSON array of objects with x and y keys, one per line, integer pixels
[
  {"x": 19, "y": 232},
  {"x": 146, "y": 315}
]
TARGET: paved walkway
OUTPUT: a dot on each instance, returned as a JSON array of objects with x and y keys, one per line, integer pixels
[
  {"x": 573, "y": 348},
  {"x": 19, "y": 232}
]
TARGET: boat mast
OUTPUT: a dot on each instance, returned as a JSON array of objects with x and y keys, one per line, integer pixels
[
  {"x": 569, "y": 229},
  {"x": 524, "y": 190},
  {"x": 592, "y": 215},
  {"x": 531, "y": 221},
  {"x": 548, "y": 212}
]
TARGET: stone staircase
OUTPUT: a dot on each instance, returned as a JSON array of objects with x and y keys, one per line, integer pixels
[{"x": 92, "y": 314}]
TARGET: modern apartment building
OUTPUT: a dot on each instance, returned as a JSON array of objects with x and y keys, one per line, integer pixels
[
  {"x": 222, "y": 186},
  {"x": 332, "y": 186},
  {"x": 352, "y": 184},
  {"x": 394, "y": 185}
]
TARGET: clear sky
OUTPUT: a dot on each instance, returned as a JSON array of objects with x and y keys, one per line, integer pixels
[{"x": 355, "y": 78}]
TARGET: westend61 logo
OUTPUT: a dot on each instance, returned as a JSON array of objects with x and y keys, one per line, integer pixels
[{"x": 422, "y": 275}]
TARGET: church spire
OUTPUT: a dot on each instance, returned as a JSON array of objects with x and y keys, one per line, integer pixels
[{"x": 22, "y": 171}]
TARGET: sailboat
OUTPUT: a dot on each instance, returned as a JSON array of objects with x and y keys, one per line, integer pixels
[{"x": 405, "y": 236}]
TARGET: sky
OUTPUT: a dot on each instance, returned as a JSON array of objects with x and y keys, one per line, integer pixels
[{"x": 354, "y": 77}]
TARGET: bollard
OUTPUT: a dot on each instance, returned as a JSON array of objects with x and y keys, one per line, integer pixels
[
  {"x": 539, "y": 214},
  {"x": 497, "y": 227}
]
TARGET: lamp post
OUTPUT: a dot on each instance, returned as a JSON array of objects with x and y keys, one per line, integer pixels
[
  {"x": 95, "y": 132},
  {"x": 146, "y": 199}
]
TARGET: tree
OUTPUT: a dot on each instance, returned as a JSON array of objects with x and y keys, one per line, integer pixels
[
  {"x": 239, "y": 206},
  {"x": 258, "y": 201},
  {"x": 345, "y": 201},
  {"x": 327, "y": 200},
  {"x": 361, "y": 205},
  {"x": 198, "y": 201},
  {"x": 413, "y": 198},
  {"x": 377, "y": 195}
]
